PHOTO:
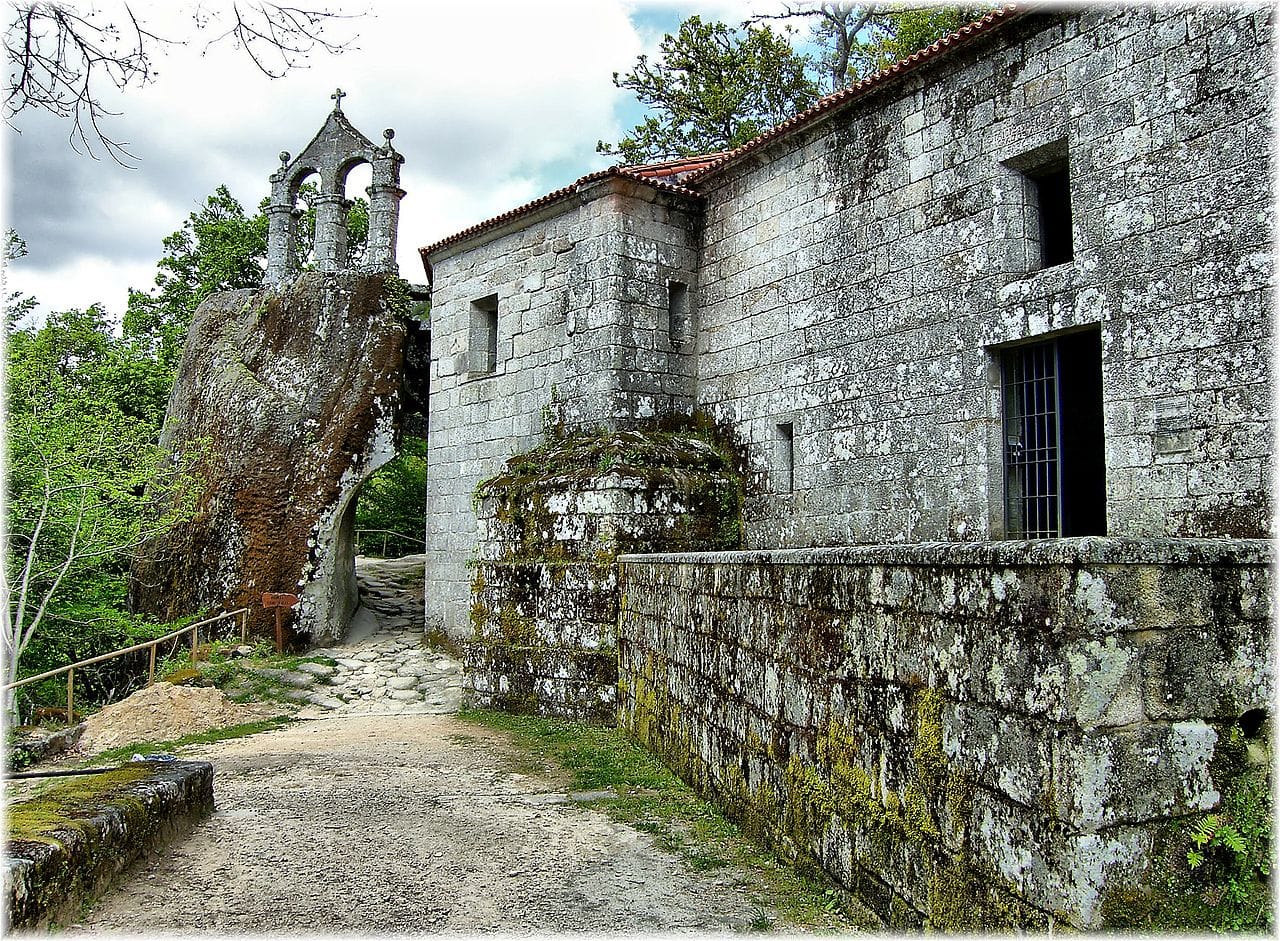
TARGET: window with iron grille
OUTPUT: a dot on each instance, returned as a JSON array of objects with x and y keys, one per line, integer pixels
[{"x": 1054, "y": 468}]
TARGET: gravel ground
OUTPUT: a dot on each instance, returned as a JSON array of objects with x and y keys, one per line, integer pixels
[{"x": 408, "y": 824}]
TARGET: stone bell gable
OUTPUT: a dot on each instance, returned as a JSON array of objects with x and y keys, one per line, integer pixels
[
  {"x": 332, "y": 154},
  {"x": 301, "y": 387}
]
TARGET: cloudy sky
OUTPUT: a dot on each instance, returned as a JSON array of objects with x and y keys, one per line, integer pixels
[{"x": 493, "y": 103}]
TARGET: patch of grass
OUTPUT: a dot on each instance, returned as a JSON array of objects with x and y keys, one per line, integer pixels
[
  {"x": 653, "y": 800},
  {"x": 125, "y": 752},
  {"x": 237, "y": 677}
]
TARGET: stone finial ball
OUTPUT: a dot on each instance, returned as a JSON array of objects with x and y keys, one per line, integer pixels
[
  {"x": 284, "y": 156},
  {"x": 389, "y": 133}
]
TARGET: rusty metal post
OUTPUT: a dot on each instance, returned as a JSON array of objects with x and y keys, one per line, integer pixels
[
  {"x": 71, "y": 696},
  {"x": 151, "y": 672}
]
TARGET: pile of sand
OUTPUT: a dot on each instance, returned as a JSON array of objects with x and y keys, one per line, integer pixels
[{"x": 164, "y": 712}]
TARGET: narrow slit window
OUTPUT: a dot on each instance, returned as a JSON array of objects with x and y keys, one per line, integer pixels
[
  {"x": 784, "y": 467},
  {"x": 483, "y": 340},
  {"x": 1052, "y": 188},
  {"x": 679, "y": 323}
]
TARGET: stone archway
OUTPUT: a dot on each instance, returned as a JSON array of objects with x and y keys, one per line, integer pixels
[{"x": 298, "y": 392}]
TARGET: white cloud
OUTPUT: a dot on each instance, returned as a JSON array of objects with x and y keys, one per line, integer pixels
[
  {"x": 83, "y": 281},
  {"x": 493, "y": 103}
]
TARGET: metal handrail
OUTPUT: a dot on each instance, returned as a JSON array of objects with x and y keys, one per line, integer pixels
[
  {"x": 389, "y": 532},
  {"x": 193, "y": 629}
]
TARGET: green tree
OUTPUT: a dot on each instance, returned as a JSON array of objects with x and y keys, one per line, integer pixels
[
  {"x": 856, "y": 40},
  {"x": 218, "y": 248},
  {"x": 17, "y": 305},
  {"x": 394, "y": 499},
  {"x": 895, "y": 34},
  {"x": 86, "y": 484},
  {"x": 712, "y": 87}
]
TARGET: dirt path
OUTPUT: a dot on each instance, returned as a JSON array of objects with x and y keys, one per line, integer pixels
[
  {"x": 412, "y": 824},
  {"x": 382, "y": 812}
]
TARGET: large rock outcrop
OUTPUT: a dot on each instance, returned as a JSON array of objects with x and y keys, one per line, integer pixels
[{"x": 295, "y": 395}]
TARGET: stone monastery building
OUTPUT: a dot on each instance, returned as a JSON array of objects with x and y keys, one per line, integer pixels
[
  {"x": 1017, "y": 286},
  {"x": 900, "y": 479}
]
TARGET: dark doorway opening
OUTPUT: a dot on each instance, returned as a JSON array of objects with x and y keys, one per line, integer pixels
[{"x": 1054, "y": 460}]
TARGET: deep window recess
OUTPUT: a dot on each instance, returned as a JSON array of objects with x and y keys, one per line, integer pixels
[
  {"x": 679, "y": 323},
  {"x": 1051, "y": 185},
  {"x": 1054, "y": 469},
  {"x": 784, "y": 459},
  {"x": 1044, "y": 220},
  {"x": 482, "y": 345}
]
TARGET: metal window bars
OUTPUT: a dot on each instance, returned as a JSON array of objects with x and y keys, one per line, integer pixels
[{"x": 1032, "y": 432}]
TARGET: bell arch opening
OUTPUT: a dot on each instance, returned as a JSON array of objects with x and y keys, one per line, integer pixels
[
  {"x": 354, "y": 181},
  {"x": 302, "y": 192}
]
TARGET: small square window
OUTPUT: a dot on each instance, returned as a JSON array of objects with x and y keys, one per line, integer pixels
[
  {"x": 482, "y": 342},
  {"x": 1046, "y": 214}
]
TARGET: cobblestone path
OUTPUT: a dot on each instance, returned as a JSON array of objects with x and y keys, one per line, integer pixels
[{"x": 381, "y": 667}]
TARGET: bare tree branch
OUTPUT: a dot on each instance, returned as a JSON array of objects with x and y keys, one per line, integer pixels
[
  {"x": 59, "y": 59},
  {"x": 838, "y": 28}
]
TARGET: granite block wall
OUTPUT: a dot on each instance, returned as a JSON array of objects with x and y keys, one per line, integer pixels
[
  {"x": 578, "y": 295},
  {"x": 544, "y": 590},
  {"x": 851, "y": 288},
  {"x": 859, "y": 279},
  {"x": 971, "y": 736}
]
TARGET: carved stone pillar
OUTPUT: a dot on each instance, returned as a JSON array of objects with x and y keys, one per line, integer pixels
[
  {"x": 281, "y": 230},
  {"x": 384, "y": 218},
  {"x": 331, "y": 231},
  {"x": 281, "y": 243}
]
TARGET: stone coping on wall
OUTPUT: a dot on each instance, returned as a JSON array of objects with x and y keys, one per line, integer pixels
[
  {"x": 1085, "y": 550},
  {"x": 964, "y": 734},
  {"x": 88, "y": 840}
]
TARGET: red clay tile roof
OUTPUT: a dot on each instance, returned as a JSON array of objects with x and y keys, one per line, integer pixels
[
  {"x": 834, "y": 101},
  {"x": 692, "y": 169},
  {"x": 680, "y": 167},
  {"x": 632, "y": 173}
]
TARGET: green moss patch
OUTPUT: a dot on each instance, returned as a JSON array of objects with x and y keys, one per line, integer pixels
[{"x": 67, "y": 804}]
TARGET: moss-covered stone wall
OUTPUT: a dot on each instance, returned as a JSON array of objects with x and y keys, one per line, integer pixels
[
  {"x": 969, "y": 736},
  {"x": 66, "y": 845},
  {"x": 544, "y": 598}
]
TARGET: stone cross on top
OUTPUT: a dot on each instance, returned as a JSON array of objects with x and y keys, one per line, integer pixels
[{"x": 332, "y": 154}]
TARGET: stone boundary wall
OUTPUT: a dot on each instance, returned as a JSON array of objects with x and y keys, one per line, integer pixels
[
  {"x": 966, "y": 735},
  {"x": 47, "y": 880}
]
